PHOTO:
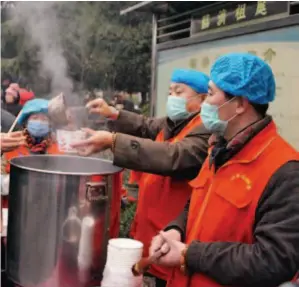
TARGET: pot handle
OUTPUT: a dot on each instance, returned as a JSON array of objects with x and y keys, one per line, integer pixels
[{"x": 96, "y": 192}]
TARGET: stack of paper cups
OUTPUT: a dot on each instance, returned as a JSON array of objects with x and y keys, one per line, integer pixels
[
  {"x": 4, "y": 222},
  {"x": 122, "y": 255},
  {"x": 85, "y": 248}
]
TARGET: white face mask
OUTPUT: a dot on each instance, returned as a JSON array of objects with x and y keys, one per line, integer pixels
[
  {"x": 210, "y": 117},
  {"x": 176, "y": 108}
]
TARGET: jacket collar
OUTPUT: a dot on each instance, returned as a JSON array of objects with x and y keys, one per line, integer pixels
[
  {"x": 172, "y": 129},
  {"x": 258, "y": 134}
]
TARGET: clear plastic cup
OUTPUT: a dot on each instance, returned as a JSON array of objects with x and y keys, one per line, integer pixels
[{"x": 65, "y": 138}]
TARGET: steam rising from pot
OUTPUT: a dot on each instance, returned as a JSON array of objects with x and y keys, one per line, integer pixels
[{"x": 41, "y": 24}]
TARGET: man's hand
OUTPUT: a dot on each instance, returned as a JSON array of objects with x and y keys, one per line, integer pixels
[
  {"x": 11, "y": 141},
  {"x": 98, "y": 141},
  {"x": 100, "y": 107},
  {"x": 172, "y": 250},
  {"x": 160, "y": 243}
]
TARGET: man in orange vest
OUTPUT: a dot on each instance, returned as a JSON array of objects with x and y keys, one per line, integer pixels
[
  {"x": 241, "y": 227},
  {"x": 169, "y": 151}
]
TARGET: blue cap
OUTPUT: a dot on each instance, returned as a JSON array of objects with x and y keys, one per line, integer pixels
[
  {"x": 246, "y": 75},
  {"x": 196, "y": 80},
  {"x": 33, "y": 107}
]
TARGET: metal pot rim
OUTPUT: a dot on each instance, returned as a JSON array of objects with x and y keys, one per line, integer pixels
[{"x": 116, "y": 168}]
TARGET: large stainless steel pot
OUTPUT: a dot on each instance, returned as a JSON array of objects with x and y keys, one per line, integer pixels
[{"x": 59, "y": 213}]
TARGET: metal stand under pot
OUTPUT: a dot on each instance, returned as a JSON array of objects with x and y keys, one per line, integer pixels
[{"x": 59, "y": 215}]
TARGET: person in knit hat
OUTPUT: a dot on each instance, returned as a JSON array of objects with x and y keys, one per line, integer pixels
[{"x": 36, "y": 128}]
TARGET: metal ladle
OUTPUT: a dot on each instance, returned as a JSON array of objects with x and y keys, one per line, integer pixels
[{"x": 57, "y": 110}]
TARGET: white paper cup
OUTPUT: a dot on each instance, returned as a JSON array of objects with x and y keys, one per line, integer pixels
[
  {"x": 126, "y": 243},
  {"x": 66, "y": 138},
  {"x": 113, "y": 277},
  {"x": 4, "y": 222},
  {"x": 124, "y": 253}
]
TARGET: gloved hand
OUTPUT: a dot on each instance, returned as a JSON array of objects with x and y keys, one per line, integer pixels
[{"x": 4, "y": 184}]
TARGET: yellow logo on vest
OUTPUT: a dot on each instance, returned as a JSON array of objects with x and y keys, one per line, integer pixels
[{"x": 243, "y": 177}]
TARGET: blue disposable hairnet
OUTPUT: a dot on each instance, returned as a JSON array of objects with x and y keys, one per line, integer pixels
[
  {"x": 196, "y": 80},
  {"x": 33, "y": 107},
  {"x": 246, "y": 75}
]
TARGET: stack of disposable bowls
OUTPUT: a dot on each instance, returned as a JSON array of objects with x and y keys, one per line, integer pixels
[{"x": 122, "y": 254}]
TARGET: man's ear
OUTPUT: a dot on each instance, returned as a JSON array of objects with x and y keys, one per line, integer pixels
[
  {"x": 203, "y": 97},
  {"x": 242, "y": 105}
]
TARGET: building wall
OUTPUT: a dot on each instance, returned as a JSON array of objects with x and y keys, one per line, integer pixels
[{"x": 280, "y": 48}]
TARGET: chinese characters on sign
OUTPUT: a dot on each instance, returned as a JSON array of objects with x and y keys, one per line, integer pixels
[
  {"x": 261, "y": 8},
  {"x": 205, "y": 22},
  {"x": 193, "y": 63},
  {"x": 237, "y": 12},
  {"x": 240, "y": 13},
  {"x": 221, "y": 17},
  {"x": 268, "y": 55}
]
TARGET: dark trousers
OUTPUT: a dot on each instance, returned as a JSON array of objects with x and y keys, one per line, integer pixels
[{"x": 153, "y": 281}]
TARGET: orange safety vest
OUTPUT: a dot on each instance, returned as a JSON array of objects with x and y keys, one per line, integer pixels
[
  {"x": 24, "y": 151},
  {"x": 135, "y": 177},
  {"x": 217, "y": 213},
  {"x": 117, "y": 193},
  {"x": 160, "y": 200}
]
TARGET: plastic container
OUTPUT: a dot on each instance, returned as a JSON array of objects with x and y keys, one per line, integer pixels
[{"x": 65, "y": 138}]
